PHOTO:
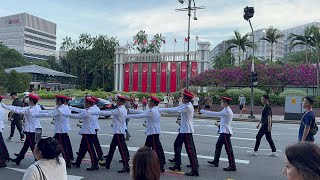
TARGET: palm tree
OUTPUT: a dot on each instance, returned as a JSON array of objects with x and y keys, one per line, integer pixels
[
  {"x": 67, "y": 43},
  {"x": 272, "y": 36},
  {"x": 240, "y": 42},
  {"x": 304, "y": 39},
  {"x": 315, "y": 44}
]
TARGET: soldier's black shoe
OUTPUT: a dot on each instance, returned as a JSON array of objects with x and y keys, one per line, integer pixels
[
  {"x": 17, "y": 154},
  {"x": 68, "y": 165},
  {"x": 172, "y": 160},
  {"x": 92, "y": 168},
  {"x": 175, "y": 167},
  {"x": 75, "y": 164},
  {"x": 230, "y": 169},
  {"x": 17, "y": 161},
  {"x": 192, "y": 173},
  {"x": 106, "y": 156},
  {"x": 214, "y": 163},
  {"x": 189, "y": 165},
  {"x": 120, "y": 161},
  {"x": 124, "y": 169}
]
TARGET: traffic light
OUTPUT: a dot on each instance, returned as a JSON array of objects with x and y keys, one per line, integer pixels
[
  {"x": 248, "y": 13},
  {"x": 254, "y": 78}
]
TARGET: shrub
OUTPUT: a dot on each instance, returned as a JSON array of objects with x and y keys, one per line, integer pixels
[
  {"x": 46, "y": 94},
  {"x": 18, "y": 82},
  {"x": 3, "y": 90},
  {"x": 292, "y": 92}
]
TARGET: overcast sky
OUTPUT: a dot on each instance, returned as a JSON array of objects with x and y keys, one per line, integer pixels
[{"x": 124, "y": 18}]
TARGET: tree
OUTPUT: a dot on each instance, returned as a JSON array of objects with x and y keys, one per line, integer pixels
[
  {"x": 272, "y": 36},
  {"x": 67, "y": 44},
  {"x": 10, "y": 58},
  {"x": 315, "y": 44},
  {"x": 240, "y": 42},
  {"x": 42, "y": 63},
  {"x": 223, "y": 60},
  {"x": 297, "y": 58},
  {"x": 18, "y": 82},
  {"x": 143, "y": 46},
  {"x": 304, "y": 39}
]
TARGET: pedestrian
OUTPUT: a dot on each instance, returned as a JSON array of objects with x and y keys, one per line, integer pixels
[
  {"x": 136, "y": 102},
  {"x": 4, "y": 154},
  {"x": 242, "y": 104},
  {"x": 30, "y": 125},
  {"x": 61, "y": 127},
  {"x": 196, "y": 103},
  {"x": 265, "y": 129},
  {"x": 225, "y": 131},
  {"x": 166, "y": 100},
  {"x": 171, "y": 100},
  {"x": 110, "y": 98},
  {"x": 49, "y": 165},
  {"x": 185, "y": 134},
  {"x": 302, "y": 162},
  {"x": 16, "y": 119},
  {"x": 144, "y": 103},
  {"x": 152, "y": 116},
  {"x": 207, "y": 102},
  {"x": 308, "y": 121},
  {"x": 145, "y": 165},
  {"x": 88, "y": 131},
  {"x": 96, "y": 141},
  {"x": 119, "y": 127}
]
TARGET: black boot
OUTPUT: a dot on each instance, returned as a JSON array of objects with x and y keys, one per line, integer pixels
[
  {"x": 230, "y": 168},
  {"x": 172, "y": 160},
  {"x": 75, "y": 164},
  {"x": 193, "y": 173},
  {"x": 68, "y": 165},
  {"x": 16, "y": 160},
  {"x": 214, "y": 163},
  {"x": 124, "y": 169},
  {"x": 175, "y": 167},
  {"x": 93, "y": 168}
]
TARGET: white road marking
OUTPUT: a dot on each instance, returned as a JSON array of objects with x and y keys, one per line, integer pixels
[
  {"x": 111, "y": 135},
  {"x": 240, "y": 161}
]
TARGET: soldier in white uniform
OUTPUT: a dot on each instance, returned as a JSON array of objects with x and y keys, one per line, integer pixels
[
  {"x": 88, "y": 132},
  {"x": 4, "y": 154},
  {"x": 30, "y": 125},
  {"x": 119, "y": 127},
  {"x": 61, "y": 127},
  {"x": 185, "y": 134},
  {"x": 225, "y": 132},
  {"x": 153, "y": 127}
]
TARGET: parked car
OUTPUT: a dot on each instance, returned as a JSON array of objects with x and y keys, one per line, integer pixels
[{"x": 102, "y": 104}]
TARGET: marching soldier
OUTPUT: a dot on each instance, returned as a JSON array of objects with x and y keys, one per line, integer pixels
[
  {"x": 225, "y": 131},
  {"x": 30, "y": 125},
  {"x": 119, "y": 127},
  {"x": 4, "y": 154},
  {"x": 185, "y": 134},
  {"x": 61, "y": 127},
  {"x": 153, "y": 127},
  {"x": 88, "y": 132}
]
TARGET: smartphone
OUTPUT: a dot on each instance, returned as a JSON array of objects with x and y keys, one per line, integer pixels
[{"x": 38, "y": 134}]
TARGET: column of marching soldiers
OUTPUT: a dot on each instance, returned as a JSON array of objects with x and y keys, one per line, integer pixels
[{"x": 90, "y": 126}]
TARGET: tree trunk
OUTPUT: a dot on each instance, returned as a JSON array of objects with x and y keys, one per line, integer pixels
[
  {"x": 239, "y": 56},
  {"x": 307, "y": 54},
  {"x": 271, "y": 52}
]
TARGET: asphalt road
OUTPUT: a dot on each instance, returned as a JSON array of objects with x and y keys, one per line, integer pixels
[{"x": 260, "y": 167}]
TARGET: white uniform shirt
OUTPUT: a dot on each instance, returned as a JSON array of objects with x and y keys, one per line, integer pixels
[
  {"x": 96, "y": 117},
  {"x": 153, "y": 119},
  {"x": 119, "y": 118},
  {"x": 61, "y": 123},
  {"x": 87, "y": 125},
  {"x": 226, "y": 116},
  {"x": 187, "y": 112},
  {"x": 31, "y": 123},
  {"x": 2, "y": 116}
]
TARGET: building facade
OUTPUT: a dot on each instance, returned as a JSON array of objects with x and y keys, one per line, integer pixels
[
  {"x": 32, "y": 36},
  {"x": 218, "y": 50}
]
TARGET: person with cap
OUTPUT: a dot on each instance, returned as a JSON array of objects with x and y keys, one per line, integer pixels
[
  {"x": 153, "y": 127},
  {"x": 61, "y": 127},
  {"x": 4, "y": 154},
  {"x": 119, "y": 127},
  {"x": 185, "y": 134},
  {"x": 31, "y": 124},
  {"x": 96, "y": 141},
  {"x": 225, "y": 131},
  {"x": 88, "y": 132}
]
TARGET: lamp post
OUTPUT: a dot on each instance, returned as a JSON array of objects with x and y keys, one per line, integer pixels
[
  {"x": 189, "y": 9},
  {"x": 248, "y": 13}
]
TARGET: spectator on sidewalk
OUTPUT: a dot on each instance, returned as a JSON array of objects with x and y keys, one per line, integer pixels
[
  {"x": 49, "y": 165},
  {"x": 144, "y": 103},
  {"x": 166, "y": 100},
  {"x": 171, "y": 100},
  {"x": 196, "y": 102},
  {"x": 302, "y": 162},
  {"x": 145, "y": 165},
  {"x": 136, "y": 103},
  {"x": 308, "y": 121},
  {"x": 242, "y": 104}
]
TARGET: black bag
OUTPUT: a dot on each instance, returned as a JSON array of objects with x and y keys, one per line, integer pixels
[{"x": 313, "y": 131}]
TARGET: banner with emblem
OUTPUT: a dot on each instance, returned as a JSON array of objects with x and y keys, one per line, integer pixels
[
  {"x": 163, "y": 85},
  {"x": 126, "y": 77},
  {"x": 135, "y": 77},
  {"x": 194, "y": 69},
  {"x": 173, "y": 77},
  {"x": 183, "y": 73},
  {"x": 153, "y": 87},
  {"x": 144, "y": 77}
]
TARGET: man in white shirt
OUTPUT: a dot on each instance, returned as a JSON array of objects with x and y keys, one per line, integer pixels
[
  {"x": 30, "y": 125},
  {"x": 225, "y": 131},
  {"x": 153, "y": 127},
  {"x": 4, "y": 154},
  {"x": 119, "y": 127},
  {"x": 185, "y": 134},
  {"x": 96, "y": 141}
]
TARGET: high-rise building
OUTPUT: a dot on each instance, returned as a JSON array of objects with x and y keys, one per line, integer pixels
[
  {"x": 217, "y": 51},
  {"x": 32, "y": 36}
]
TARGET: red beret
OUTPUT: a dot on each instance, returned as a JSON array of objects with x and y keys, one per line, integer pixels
[
  {"x": 61, "y": 96},
  {"x": 2, "y": 97},
  {"x": 33, "y": 96},
  {"x": 95, "y": 98},
  {"x": 225, "y": 98},
  {"x": 68, "y": 98},
  {"x": 155, "y": 99},
  {"x": 90, "y": 100},
  {"x": 122, "y": 98},
  {"x": 187, "y": 91},
  {"x": 187, "y": 95}
]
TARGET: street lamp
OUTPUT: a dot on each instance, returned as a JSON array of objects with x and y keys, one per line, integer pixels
[
  {"x": 248, "y": 13},
  {"x": 189, "y": 9}
]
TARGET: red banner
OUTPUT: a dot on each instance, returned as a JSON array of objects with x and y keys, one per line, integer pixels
[
  {"x": 183, "y": 73},
  {"x": 163, "y": 85},
  {"x": 173, "y": 77},
  {"x": 135, "y": 77},
  {"x": 194, "y": 69},
  {"x": 144, "y": 78},
  {"x": 153, "y": 88},
  {"x": 126, "y": 77}
]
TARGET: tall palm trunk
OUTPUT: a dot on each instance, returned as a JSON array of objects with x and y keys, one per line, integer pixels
[
  {"x": 307, "y": 62},
  {"x": 239, "y": 56},
  {"x": 271, "y": 52}
]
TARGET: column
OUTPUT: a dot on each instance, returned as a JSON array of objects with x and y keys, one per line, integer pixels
[
  {"x": 203, "y": 59},
  {"x": 120, "y": 53}
]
